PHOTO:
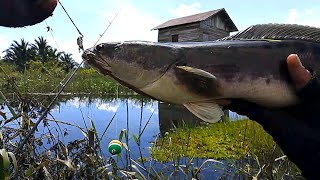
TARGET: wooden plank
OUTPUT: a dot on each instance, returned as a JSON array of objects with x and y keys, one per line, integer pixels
[{"x": 203, "y": 31}]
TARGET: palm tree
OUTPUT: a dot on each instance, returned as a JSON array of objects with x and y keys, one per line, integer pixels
[
  {"x": 18, "y": 53},
  {"x": 41, "y": 48},
  {"x": 53, "y": 54},
  {"x": 68, "y": 61}
]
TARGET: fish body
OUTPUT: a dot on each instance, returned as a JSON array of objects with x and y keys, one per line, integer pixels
[
  {"x": 20, "y": 13},
  {"x": 250, "y": 69},
  {"x": 199, "y": 74}
]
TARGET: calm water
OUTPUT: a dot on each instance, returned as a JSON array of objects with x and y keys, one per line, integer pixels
[
  {"x": 101, "y": 112},
  {"x": 133, "y": 114}
]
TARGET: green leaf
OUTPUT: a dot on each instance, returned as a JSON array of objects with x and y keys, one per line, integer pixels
[
  {"x": 1, "y": 137},
  {"x": 67, "y": 163},
  {"x": 95, "y": 131},
  {"x": 14, "y": 161},
  {"x": 8, "y": 104},
  {"x": 135, "y": 139},
  {"x": 29, "y": 171},
  {"x": 123, "y": 132},
  {"x": 5, "y": 168}
]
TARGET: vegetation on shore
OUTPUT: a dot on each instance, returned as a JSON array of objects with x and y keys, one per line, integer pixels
[
  {"x": 40, "y": 68},
  {"x": 46, "y": 77}
]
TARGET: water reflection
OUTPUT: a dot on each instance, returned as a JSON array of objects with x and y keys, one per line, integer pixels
[
  {"x": 138, "y": 115},
  {"x": 132, "y": 114},
  {"x": 171, "y": 116}
]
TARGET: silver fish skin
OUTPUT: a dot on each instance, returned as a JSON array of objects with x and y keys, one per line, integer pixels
[{"x": 198, "y": 74}]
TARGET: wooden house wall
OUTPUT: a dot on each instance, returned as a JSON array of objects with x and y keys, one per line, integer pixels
[
  {"x": 187, "y": 33},
  {"x": 211, "y": 29},
  {"x": 214, "y": 28}
]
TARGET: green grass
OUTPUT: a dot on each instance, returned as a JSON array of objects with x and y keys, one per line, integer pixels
[
  {"x": 44, "y": 78},
  {"x": 230, "y": 140}
]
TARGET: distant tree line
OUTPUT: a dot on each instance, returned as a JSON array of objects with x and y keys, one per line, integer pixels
[{"x": 20, "y": 53}]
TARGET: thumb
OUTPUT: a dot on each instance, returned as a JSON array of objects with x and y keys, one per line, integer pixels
[{"x": 299, "y": 74}]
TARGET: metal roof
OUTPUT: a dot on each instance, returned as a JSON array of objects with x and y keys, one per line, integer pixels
[{"x": 197, "y": 18}]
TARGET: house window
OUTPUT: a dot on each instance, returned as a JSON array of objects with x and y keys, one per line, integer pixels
[{"x": 175, "y": 38}]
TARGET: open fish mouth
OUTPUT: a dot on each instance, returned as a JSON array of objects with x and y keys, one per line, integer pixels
[
  {"x": 88, "y": 55},
  {"x": 96, "y": 61}
]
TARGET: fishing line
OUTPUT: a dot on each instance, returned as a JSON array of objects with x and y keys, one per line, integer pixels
[
  {"x": 46, "y": 111},
  {"x": 107, "y": 27},
  {"x": 63, "y": 85},
  {"x": 70, "y": 18},
  {"x": 49, "y": 29}
]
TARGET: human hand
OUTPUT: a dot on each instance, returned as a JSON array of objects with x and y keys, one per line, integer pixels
[{"x": 295, "y": 129}]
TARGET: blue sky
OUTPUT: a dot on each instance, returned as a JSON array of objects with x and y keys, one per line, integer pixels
[{"x": 138, "y": 17}]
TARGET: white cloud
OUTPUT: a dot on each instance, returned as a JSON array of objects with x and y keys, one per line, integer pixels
[
  {"x": 113, "y": 107},
  {"x": 309, "y": 11},
  {"x": 75, "y": 102},
  {"x": 66, "y": 45},
  {"x": 186, "y": 10},
  {"x": 4, "y": 44},
  {"x": 304, "y": 17},
  {"x": 131, "y": 23},
  {"x": 153, "y": 107},
  {"x": 292, "y": 16}
]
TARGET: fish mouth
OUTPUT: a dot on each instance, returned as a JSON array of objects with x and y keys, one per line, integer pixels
[{"x": 97, "y": 62}]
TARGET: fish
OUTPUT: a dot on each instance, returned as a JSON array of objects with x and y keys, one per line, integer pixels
[
  {"x": 249, "y": 65},
  {"x": 21, "y": 13}
]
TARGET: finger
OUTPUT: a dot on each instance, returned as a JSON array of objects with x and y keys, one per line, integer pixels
[{"x": 299, "y": 74}]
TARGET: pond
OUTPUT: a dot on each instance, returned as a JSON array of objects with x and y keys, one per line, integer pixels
[{"x": 140, "y": 117}]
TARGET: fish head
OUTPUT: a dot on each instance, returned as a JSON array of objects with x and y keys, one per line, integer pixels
[{"x": 133, "y": 63}]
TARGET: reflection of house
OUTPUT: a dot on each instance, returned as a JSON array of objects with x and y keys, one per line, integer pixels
[
  {"x": 205, "y": 26},
  {"x": 171, "y": 115}
]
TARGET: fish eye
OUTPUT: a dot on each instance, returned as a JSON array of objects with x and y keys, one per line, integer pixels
[{"x": 99, "y": 47}]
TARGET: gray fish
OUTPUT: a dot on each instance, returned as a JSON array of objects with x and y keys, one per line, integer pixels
[{"x": 249, "y": 65}]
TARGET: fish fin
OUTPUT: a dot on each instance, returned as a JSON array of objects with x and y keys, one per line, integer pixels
[
  {"x": 278, "y": 31},
  {"x": 197, "y": 71},
  {"x": 198, "y": 81},
  {"x": 206, "y": 111}
]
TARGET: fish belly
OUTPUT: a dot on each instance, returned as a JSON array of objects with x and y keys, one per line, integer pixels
[
  {"x": 169, "y": 89},
  {"x": 266, "y": 91}
]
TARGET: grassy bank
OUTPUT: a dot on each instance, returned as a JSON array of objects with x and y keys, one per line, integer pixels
[
  {"x": 243, "y": 143},
  {"x": 230, "y": 140},
  {"x": 45, "y": 77}
]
